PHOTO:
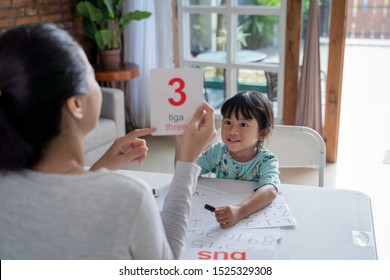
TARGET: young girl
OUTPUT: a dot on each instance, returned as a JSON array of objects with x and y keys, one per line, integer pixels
[{"x": 247, "y": 121}]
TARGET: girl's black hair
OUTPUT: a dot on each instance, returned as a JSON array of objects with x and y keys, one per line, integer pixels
[
  {"x": 40, "y": 68},
  {"x": 251, "y": 104}
]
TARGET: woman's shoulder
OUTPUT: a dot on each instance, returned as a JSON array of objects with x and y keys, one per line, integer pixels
[
  {"x": 115, "y": 187},
  {"x": 102, "y": 180},
  {"x": 102, "y": 186},
  {"x": 120, "y": 180}
]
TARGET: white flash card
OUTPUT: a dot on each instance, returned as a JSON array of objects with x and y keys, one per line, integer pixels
[{"x": 175, "y": 96}]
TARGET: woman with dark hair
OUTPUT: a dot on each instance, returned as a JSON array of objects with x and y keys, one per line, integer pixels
[
  {"x": 50, "y": 206},
  {"x": 247, "y": 121}
]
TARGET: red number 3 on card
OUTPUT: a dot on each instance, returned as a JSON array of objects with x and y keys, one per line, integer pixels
[{"x": 178, "y": 90}]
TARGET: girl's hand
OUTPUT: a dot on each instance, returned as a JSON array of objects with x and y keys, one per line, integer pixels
[
  {"x": 125, "y": 149},
  {"x": 227, "y": 216}
]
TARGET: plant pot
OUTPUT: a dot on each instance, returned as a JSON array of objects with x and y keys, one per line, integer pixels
[{"x": 110, "y": 59}]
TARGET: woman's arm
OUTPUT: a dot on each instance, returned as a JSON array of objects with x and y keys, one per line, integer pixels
[
  {"x": 176, "y": 210},
  {"x": 163, "y": 235}
]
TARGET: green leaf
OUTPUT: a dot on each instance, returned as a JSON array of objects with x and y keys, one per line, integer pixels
[
  {"x": 89, "y": 28},
  {"x": 89, "y": 11},
  {"x": 103, "y": 39},
  {"x": 118, "y": 6},
  {"x": 110, "y": 9},
  {"x": 136, "y": 15}
]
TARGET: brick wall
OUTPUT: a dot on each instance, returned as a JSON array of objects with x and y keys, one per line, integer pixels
[{"x": 60, "y": 12}]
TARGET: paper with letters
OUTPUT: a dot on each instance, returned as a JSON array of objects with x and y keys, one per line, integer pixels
[
  {"x": 276, "y": 214},
  {"x": 252, "y": 238},
  {"x": 231, "y": 239},
  {"x": 175, "y": 96}
]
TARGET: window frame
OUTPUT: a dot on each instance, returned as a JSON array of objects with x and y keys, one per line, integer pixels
[{"x": 230, "y": 11}]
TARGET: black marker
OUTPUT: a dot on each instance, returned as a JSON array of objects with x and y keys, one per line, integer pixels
[
  {"x": 156, "y": 193},
  {"x": 209, "y": 207}
]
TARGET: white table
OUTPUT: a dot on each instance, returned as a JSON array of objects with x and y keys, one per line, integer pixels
[{"x": 331, "y": 223}]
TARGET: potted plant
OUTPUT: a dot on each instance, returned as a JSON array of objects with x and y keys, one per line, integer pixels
[
  {"x": 197, "y": 32},
  {"x": 104, "y": 22},
  {"x": 261, "y": 28},
  {"x": 240, "y": 37}
]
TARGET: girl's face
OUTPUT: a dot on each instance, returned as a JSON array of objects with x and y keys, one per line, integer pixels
[{"x": 240, "y": 136}]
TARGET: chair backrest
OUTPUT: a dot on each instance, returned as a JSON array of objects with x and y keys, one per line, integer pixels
[{"x": 298, "y": 146}]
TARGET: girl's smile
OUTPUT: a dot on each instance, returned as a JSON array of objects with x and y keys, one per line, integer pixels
[{"x": 233, "y": 140}]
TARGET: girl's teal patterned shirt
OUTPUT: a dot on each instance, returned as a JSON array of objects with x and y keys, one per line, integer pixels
[{"x": 263, "y": 168}]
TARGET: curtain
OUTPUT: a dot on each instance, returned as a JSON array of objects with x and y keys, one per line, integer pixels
[
  {"x": 148, "y": 43},
  {"x": 308, "y": 111}
]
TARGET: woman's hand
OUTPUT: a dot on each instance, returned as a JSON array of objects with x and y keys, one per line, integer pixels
[
  {"x": 125, "y": 149},
  {"x": 200, "y": 132}
]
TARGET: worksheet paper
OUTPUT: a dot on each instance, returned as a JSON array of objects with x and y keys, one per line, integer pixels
[
  {"x": 232, "y": 239},
  {"x": 255, "y": 237},
  {"x": 276, "y": 214}
]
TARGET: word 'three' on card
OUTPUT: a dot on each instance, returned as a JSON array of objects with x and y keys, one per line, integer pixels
[{"x": 175, "y": 96}]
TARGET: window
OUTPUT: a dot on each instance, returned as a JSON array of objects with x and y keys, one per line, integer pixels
[{"x": 239, "y": 44}]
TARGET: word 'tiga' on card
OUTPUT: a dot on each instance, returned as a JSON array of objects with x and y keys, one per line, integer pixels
[{"x": 175, "y": 95}]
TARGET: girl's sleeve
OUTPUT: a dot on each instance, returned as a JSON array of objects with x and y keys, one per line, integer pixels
[
  {"x": 269, "y": 170},
  {"x": 208, "y": 159}
]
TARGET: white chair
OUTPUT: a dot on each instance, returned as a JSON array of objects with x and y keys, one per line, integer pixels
[{"x": 298, "y": 146}]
